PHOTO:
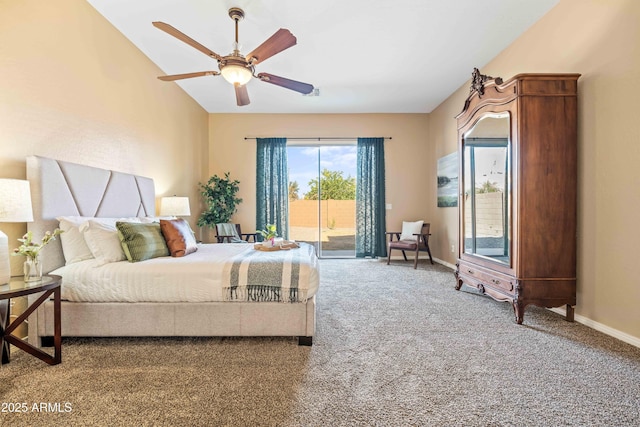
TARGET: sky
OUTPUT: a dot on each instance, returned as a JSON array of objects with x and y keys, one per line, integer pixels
[
  {"x": 490, "y": 165},
  {"x": 303, "y": 162}
]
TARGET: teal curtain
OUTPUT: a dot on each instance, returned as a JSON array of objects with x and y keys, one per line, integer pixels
[
  {"x": 370, "y": 199},
  {"x": 272, "y": 185}
]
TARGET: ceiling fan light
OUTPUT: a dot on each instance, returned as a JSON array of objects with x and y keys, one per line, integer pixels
[{"x": 236, "y": 74}]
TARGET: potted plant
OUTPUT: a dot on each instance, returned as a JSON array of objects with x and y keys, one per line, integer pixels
[
  {"x": 220, "y": 197},
  {"x": 269, "y": 235}
]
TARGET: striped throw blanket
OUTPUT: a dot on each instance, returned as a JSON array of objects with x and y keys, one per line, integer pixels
[{"x": 278, "y": 276}]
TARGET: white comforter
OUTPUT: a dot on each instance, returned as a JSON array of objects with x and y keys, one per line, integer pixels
[{"x": 194, "y": 278}]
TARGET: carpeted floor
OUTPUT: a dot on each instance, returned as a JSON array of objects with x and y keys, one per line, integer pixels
[{"x": 394, "y": 347}]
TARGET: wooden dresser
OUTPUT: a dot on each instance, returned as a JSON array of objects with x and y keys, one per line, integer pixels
[{"x": 518, "y": 188}]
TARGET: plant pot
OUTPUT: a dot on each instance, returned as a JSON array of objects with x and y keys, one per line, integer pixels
[{"x": 268, "y": 243}]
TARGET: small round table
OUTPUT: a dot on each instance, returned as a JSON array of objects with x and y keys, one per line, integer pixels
[{"x": 17, "y": 287}]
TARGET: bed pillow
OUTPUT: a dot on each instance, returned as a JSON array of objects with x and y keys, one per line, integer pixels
[
  {"x": 178, "y": 236},
  {"x": 102, "y": 239},
  {"x": 74, "y": 247},
  {"x": 409, "y": 229},
  {"x": 149, "y": 219},
  {"x": 141, "y": 241}
]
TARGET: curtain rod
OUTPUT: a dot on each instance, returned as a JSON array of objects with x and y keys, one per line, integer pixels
[{"x": 319, "y": 138}]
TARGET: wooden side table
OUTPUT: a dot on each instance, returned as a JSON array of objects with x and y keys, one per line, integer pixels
[{"x": 17, "y": 288}]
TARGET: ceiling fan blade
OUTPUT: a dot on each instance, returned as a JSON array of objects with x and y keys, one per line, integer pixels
[
  {"x": 303, "y": 88},
  {"x": 242, "y": 96},
  {"x": 281, "y": 40},
  {"x": 173, "y": 77},
  {"x": 185, "y": 38}
]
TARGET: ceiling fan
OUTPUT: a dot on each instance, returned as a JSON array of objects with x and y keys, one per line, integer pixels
[{"x": 236, "y": 68}]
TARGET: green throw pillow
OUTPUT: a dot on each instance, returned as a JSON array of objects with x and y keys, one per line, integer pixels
[{"x": 141, "y": 241}]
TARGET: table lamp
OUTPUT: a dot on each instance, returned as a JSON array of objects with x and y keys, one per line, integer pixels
[
  {"x": 15, "y": 206},
  {"x": 175, "y": 206}
]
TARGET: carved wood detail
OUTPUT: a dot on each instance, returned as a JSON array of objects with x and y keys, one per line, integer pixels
[{"x": 478, "y": 80}]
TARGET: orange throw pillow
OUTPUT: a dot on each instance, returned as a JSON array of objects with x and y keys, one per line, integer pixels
[{"x": 179, "y": 237}]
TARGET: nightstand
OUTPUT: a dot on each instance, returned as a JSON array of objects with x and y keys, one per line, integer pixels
[{"x": 17, "y": 288}]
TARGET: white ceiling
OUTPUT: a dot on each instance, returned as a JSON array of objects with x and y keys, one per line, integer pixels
[{"x": 365, "y": 56}]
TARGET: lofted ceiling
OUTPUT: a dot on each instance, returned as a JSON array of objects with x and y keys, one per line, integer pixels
[{"x": 364, "y": 56}]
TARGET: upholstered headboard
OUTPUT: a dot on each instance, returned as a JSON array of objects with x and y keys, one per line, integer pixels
[{"x": 62, "y": 188}]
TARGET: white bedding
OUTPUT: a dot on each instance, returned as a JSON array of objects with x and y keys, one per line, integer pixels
[{"x": 193, "y": 278}]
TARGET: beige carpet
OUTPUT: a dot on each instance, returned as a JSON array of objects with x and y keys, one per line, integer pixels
[{"x": 394, "y": 347}]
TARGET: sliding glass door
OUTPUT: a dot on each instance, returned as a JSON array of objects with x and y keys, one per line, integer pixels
[{"x": 322, "y": 192}]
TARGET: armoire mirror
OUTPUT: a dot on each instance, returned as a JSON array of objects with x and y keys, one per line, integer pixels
[{"x": 487, "y": 184}]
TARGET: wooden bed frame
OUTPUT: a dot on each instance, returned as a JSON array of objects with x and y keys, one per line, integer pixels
[{"x": 61, "y": 188}]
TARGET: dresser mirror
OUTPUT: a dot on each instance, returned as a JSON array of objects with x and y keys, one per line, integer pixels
[{"x": 487, "y": 188}]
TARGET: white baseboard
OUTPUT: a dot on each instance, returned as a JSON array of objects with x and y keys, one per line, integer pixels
[
  {"x": 423, "y": 257},
  {"x": 446, "y": 264},
  {"x": 629, "y": 339}
]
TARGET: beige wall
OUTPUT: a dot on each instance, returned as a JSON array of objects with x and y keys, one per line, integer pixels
[
  {"x": 598, "y": 39},
  {"x": 406, "y": 154},
  {"x": 73, "y": 88}
]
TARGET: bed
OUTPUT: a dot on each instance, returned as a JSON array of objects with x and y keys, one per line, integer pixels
[{"x": 196, "y": 295}]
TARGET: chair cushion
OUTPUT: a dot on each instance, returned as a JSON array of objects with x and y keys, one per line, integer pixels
[
  {"x": 403, "y": 245},
  {"x": 409, "y": 229}
]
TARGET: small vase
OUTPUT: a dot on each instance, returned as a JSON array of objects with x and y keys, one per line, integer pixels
[
  {"x": 32, "y": 269},
  {"x": 268, "y": 243}
]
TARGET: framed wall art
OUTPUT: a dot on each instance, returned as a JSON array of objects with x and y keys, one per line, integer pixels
[{"x": 448, "y": 181}]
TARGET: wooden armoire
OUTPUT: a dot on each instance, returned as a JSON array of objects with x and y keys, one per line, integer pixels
[{"x": 517, "y": 190}]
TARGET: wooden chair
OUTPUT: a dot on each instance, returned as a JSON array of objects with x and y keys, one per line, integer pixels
[
  {"x": 420, "y": 244},
  {"x": 224, "y": 234}
]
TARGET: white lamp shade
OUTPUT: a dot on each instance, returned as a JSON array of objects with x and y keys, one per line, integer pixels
[
  {"x": 5, "y": 265},
  {"x": 15, "y": 201},
  {"x": 175, "y": 206},
  {"x": 15, "y": 206},
  {"x": 236, "y": 74}
]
